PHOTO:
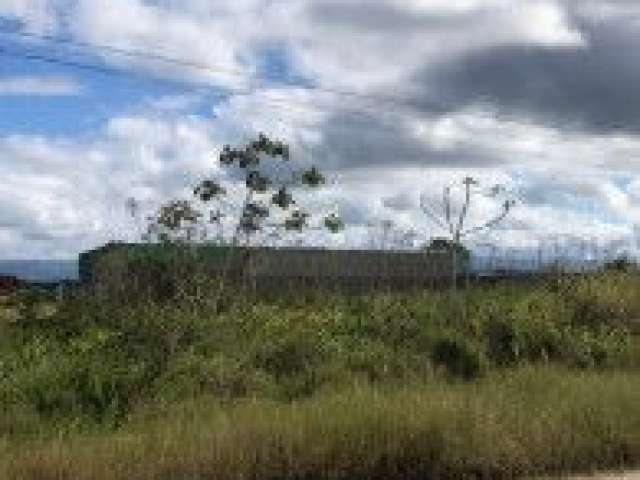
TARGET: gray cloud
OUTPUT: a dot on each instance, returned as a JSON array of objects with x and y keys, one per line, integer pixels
[
  {"x": 381, "y": 16},
  {"x": 401, "y": 202},
  {"x": 593, "y": 89},
  {"x": 366, "y": 141}
]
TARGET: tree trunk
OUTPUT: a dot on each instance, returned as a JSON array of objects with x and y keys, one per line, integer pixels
[{"x": 454, "y": 269}]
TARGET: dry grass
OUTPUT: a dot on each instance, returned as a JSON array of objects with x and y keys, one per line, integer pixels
[{"x": 525, "y": 422}]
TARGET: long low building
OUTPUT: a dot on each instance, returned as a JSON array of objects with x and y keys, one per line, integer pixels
[{"x": 266, "y": 267}]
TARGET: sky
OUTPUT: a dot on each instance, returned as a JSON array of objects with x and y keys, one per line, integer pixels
[{"x": 103, "y": 100}]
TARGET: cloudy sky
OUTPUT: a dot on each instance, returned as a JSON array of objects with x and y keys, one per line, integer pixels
[{"x": 102, "y": 100}]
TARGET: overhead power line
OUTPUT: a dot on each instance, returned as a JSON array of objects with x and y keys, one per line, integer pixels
[
  {"x": 373, "y": 109},
  {"x": 380, "y": 100},
  {"x": 79, "y": 65},
  {"x": 123, "y": 51}
]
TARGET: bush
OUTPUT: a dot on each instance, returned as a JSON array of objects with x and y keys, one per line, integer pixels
[
  {"x": 89, "y": 377},
  {"x": 380, "y": 362},
  {"x": 604, "y": 348},
  {"x": 104, "y": 380},
  {"x": 503, "y": 342},
  {"x": 530, "y": 330},
  {"x": 620, "y": 264},
  {"x": 600, "y": 300},
  {"x": 461, "y": 356},
  {"x": 292, "y": 353},
  {"x": 192, "y": 374}
]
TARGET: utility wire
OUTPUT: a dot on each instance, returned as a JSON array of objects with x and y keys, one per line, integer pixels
[
  {"x": 80, "y": 65},
  {"x": 209, "y": 68},
  {"x": 122, "y": 51},
  {"x": 283, "y": 104}
]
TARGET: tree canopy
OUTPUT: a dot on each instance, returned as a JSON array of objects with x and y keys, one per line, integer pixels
[{"x": 179, "y": 215}]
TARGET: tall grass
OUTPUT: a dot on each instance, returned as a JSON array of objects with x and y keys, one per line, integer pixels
[
  {"x": 531, "y": 421},
  {"x": 500, "y": 381}
]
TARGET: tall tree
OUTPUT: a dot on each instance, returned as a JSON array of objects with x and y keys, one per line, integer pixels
[
  {"x": 255, "y": 211},
  {"x": 176, "y": 216}
]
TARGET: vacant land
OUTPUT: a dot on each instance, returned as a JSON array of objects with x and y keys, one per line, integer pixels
[{"x": 499, "y": 382}]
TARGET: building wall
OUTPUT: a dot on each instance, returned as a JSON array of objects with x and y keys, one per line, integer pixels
[
  {"x": 267, "y": 268},
  {"x": 348, "y": 263}
]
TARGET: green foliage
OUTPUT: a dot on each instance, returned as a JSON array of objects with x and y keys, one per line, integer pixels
[
  {"x": 461, "y": 356},
  {"x": 333, "y": 223},
  {"x": 289, "y": 353},
  {"x": 249, "y": 158},
  {"x": 313, "y": 177},
  {"x": 97, "y": 357},
  {"x": 177, "y": 212},
  {"x": 620, "y": 264},
  {"x": 27, "y": 308},
  {"x": 191, "y": 374},
  {"x": 208, "y": 190},
  {"x": 539, "y": 327},
  {"x": 383, "y": 364},
  {"x": 89, "y": 377},
  {"x": 601, "y": 300},
  {"x": 444, "y": 244},
  {"x": 282, "y": 198},
  {"x": 297, "y": 221}
]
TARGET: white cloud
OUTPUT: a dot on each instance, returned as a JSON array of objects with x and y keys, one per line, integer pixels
[
  {"x": 38, "y": 16},
  {"x": 542, "y": 22},
  {"x": 213, "y": 43},
  {"x": 155, "y": 155},
  {"x": 74, "y": 191},
  {"x": 360, "y": 53},
  {"x": 157, "y": 152},
  {"x": 325, "y": 39},
  {"x": 526, "y": 143},
  {"x": 39, "y": 86}
]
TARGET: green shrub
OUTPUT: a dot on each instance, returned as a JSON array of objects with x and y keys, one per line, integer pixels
[
  {"x": 596, "y": 303},
  {"x": 192, "y": 374},
  {"x": 104, "y": 380},
  {"x": 97, "y": 356},
  {"x": 603, "y": 348},
  {"x": 34, "y": 374},
  {"x": 503, "y": 342},
  {"x": 289, "y": 354},
  {"x": 620, "y": 264},
  {"x": 530, "y": 330},
  {"x": 380, "y": 362},
  {"x": 461, "y": 356},
  {"x": 89, "y": 377}
]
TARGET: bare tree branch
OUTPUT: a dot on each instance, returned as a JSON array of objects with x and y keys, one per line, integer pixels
[
  {"x": 447, "y": 203},
  {"x": 425, "y": 209},
  {"x": 468, "y": 181},
  {"x": 486, "y": 225},
  {"x": 458, "y": 233}
]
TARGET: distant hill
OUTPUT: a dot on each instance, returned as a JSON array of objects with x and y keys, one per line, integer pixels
[{"x": 40, "y": 270}]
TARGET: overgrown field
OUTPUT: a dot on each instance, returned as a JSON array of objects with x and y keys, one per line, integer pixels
[{"x": 497, "y": 382}]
